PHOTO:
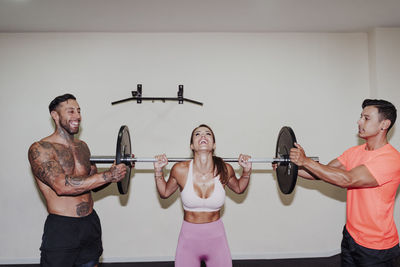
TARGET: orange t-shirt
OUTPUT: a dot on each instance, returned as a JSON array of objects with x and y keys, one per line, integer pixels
[{"x": 370, "y": 210}]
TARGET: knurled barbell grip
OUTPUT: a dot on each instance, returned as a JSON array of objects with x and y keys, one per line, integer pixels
[{"x": 111, "y": 159}]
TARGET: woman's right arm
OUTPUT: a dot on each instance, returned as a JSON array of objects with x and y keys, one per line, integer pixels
[{"x": 164, "y": 188}]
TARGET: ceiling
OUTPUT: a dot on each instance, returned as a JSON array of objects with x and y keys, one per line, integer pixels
[{"x": 197, "y": 15}]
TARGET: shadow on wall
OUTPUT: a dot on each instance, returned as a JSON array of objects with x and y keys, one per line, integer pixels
[
  {"x": 112, "y": 190},
  {"x": 324, "y": 188}
]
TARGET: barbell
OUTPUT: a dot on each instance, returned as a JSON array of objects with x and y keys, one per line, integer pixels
[{"x": 286, "y": 170}]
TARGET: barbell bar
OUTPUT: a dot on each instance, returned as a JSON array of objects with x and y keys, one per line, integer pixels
[
  {"x": 111, "y": 159},
  {"x": 286, "y": 170}
]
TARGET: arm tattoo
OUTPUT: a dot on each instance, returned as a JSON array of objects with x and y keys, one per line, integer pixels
[
  {"x": 44, "y": 167},
  {"x": 48, "y": 171},
  {"x": 33, "y": 154},
  {"x": 50, "y": 163},
  {"x": 109, "y": 176},
  {"x": 73, "y": 181}
]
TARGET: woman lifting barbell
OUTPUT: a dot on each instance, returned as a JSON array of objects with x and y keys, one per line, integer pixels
[{"x": 202, "y": 183}]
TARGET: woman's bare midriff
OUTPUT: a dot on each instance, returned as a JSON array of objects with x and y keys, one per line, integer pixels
[{"x": 201, "y": 217}]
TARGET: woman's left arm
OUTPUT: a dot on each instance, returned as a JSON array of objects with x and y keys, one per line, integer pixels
[{"x": 239, "y": 185}]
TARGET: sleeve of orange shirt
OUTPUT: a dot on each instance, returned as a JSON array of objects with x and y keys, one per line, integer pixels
[
  {"x": 384, "y": 165},
  {"x": 384, "y": 168},
  {"x": 343, "y": 159}
]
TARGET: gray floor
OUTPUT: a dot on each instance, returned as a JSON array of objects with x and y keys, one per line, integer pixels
[{"x": 333, "y": 261}]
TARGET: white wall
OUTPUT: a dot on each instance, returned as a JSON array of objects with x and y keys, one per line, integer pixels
[
  {"x": 251, "y": 86},
  {"x": 385, "y": 58},
  {"x": 387, "y": 68}
]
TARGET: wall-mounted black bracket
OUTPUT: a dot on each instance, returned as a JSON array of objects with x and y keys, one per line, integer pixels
[{"x": 137, "y": 95}]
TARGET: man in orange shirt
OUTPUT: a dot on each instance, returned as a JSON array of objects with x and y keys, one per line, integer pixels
[{"x": 371, "y": 174}]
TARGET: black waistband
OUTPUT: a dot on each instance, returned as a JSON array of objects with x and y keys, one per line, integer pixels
[{"x": 69, "y": 218}]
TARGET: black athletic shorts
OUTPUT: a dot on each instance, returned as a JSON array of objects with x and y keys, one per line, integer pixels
[
  {"x": 355, "y": 255},
  {"x": 70, "y": 241}
]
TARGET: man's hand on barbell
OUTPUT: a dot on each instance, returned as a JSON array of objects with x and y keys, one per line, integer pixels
[
  {"x": 297, "y": 155},
  {"x": 116, "y": 173}
]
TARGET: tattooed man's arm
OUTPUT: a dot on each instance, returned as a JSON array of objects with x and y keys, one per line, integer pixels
[
  {"x": 93, "y": 170},
  {"x": 49, "y": 171}
]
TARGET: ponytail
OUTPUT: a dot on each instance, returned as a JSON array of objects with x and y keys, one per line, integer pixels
[{"x": 222, "y": 171}]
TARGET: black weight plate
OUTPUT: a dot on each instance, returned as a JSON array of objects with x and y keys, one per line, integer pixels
[
  {"x": 124, "y": 151},
  {"x": 286, "y": 171}
]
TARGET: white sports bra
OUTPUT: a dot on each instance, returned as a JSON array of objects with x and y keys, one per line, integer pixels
[{"x": 192, "y": 202}]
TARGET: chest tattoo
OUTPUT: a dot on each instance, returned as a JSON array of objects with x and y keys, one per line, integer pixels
[{"x": 65, "y": 158}]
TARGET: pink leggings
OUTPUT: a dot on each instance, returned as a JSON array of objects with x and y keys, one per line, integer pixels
[{"x": 203, "y": 242}]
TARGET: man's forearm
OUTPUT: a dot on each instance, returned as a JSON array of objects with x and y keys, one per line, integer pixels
[
  {"x": 327, "y": 173},
  {"x": 78, "y": 185}
]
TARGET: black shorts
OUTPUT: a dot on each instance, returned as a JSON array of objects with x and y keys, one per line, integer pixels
[
  {"x": 69, "y": 241},
  {"x": 354, "y": 254}
]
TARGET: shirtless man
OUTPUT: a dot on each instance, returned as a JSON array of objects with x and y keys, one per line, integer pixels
[{"x": 64, "y": 175}]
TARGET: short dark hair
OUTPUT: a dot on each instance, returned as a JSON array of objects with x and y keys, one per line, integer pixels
[
  {"x": 59, "y": 99},
  {"x": 386, "y": 110}
]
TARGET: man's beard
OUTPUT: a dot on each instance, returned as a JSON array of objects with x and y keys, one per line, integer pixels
[{"x": 65, "y": 125}]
